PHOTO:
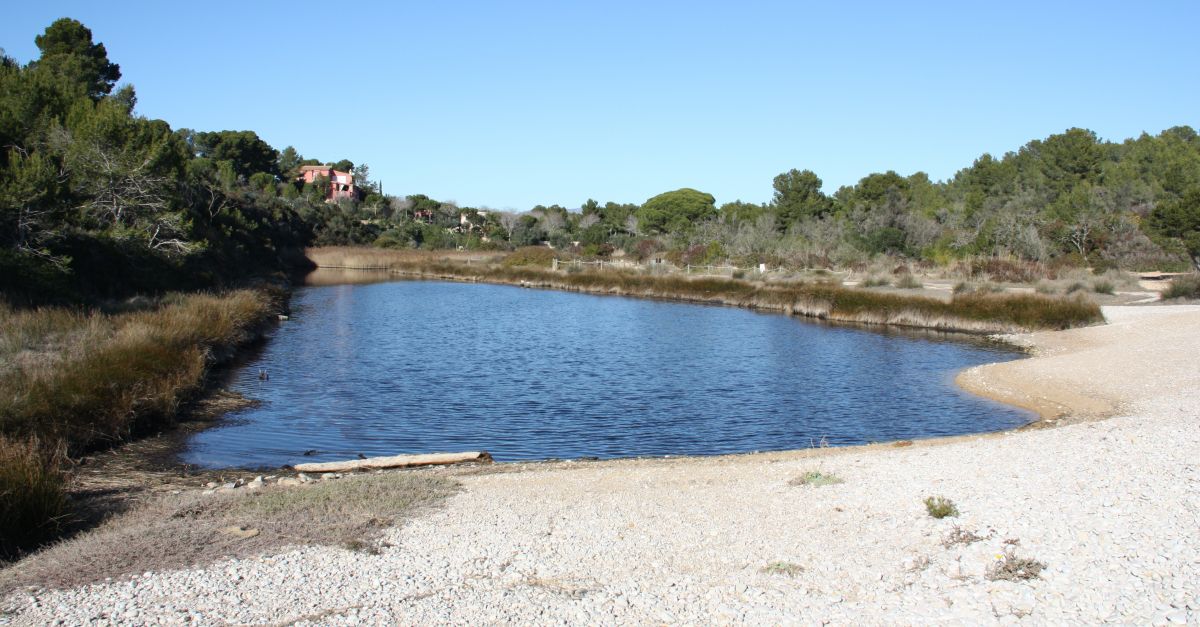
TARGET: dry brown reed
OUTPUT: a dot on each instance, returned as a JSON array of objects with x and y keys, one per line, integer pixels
[
  {"x": 972, "y": 313},
  {"x": 73, "y": 381}
]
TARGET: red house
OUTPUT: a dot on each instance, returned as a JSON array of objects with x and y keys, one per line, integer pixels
[{"x": 341, "y": 184}]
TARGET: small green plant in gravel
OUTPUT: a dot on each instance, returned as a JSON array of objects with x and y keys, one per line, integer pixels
[
  {"x": 1103, "y": 287},
  {"x": 787, "y": 569},
  {"x": 816, "y": 478},
  {"x": 940, "y": 507}
]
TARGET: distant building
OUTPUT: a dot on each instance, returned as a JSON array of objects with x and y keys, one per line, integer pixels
[{"x": 341, "y": 184}]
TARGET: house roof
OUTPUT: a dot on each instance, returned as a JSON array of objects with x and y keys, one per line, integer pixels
[{"x": 322, "y": 168}]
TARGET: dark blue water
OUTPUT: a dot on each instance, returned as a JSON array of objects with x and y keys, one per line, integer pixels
[{"x": 412, "y": 367}]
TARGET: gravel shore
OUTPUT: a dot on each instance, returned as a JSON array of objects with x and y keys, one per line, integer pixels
[{"x": 1111, "y": 508}]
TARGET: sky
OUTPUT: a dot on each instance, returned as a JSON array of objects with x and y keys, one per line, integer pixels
[{"x": 511, "y": 104}]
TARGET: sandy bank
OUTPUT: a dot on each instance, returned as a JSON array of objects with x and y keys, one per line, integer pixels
[
  {"x": 1094, "y": 372},
  {"x": 1110, "y": 507}
]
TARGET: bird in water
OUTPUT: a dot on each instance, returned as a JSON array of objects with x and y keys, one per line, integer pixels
[
  {"x": 361, "y": 456},
  {"x": 310, "y": 452},
  {"x": 263, "y": 376}
]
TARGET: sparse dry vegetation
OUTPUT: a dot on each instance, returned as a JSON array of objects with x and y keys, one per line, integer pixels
[
  {"x": 192, "y": 529},
  {"x": 958, "y": 535},
  {"x": 1011, "y": 567}
]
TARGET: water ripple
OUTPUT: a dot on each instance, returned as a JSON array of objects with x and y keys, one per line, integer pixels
[{"x": 411, "y": 367}]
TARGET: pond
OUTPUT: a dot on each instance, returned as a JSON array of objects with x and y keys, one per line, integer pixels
[{"x": 397, "y": 367}]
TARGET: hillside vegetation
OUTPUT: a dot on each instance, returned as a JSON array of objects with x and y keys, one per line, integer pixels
[{"x": 97, "y": 201}]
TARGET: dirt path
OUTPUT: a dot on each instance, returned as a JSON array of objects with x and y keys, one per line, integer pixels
[{"x": 1110, "y": 508}]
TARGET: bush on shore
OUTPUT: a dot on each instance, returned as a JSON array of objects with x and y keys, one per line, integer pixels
[{"x": 1184, "y": 287}]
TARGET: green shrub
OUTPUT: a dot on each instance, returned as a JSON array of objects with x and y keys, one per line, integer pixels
[
  {"x": 1076, "y": 287},
  {"x": 1184, "y": 287},
  {"x": 875, "y": 281},
  {"x": 909, "y": 282},
  {"x": 940, "y": 507},
  {"x": 1103, "y": 287},
  {"x": 32, "y": 494}
]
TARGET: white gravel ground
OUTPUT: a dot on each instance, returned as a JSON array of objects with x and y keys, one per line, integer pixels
[{"x": 1112, "y": 508}]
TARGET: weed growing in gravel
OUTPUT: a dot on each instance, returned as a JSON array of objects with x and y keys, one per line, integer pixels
[
  {"x": 816, "y": 479},
  {"x": 787, "y": 569},
  {"x": 1103, "y": 287},
  {"x": 362, "y": 546},
  {"x": 917, "y": 564},
  {"x": 875, "y": 281},
  {"x": 1010, "y": 567},
  {"x": 940, "y": 507},
  {"x": 958, "y": 535}
]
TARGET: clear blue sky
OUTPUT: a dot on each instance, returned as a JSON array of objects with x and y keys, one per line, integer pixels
[{"x": 511, "y": 104}]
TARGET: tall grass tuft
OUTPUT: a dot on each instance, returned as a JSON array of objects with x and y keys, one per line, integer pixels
[
  {"x": 907, "y": 281},
  {"x": 1184, "y": 287},
  {"x": 32, "y": 493}
]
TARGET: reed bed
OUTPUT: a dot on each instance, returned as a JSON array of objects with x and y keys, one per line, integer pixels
[
  {"x": 73, "y": 381},
  {"x": 975, "y": 312}
]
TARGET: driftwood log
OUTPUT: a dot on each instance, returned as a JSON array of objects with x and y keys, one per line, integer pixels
[{"x": 396, "y": 461}]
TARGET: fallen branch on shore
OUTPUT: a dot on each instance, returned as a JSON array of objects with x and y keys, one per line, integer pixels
[{"x": 397, "y": 461}]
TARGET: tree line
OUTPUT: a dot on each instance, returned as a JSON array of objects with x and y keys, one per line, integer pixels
[{"x": 97, "y": 201}]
